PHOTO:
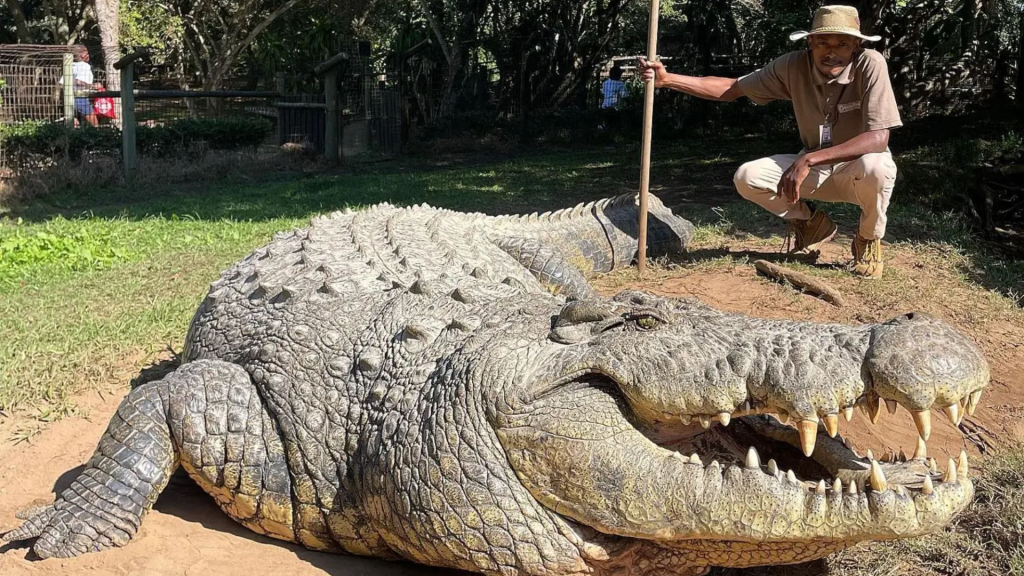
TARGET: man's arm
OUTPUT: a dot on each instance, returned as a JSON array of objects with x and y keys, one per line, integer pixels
[
  {"x": 707, "y": 87},
  {"x": 866, "y": 143}
]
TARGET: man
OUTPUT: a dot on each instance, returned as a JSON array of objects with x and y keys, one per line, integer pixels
[
  {"x": 83, "y": 81},
  {"x": 845, "y": 107},
  {"x": 613, "y": 89}
]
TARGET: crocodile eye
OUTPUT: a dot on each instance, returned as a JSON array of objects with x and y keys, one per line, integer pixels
[{"x": 647, "y": 322}]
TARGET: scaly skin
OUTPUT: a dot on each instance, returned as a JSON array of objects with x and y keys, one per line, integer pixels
[{"x": 446, "y": 388}]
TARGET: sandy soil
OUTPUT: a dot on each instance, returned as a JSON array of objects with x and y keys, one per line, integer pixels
[{"x": 187, "y": 534}]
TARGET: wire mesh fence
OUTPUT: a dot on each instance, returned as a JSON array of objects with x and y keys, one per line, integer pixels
[{"x": 46, "y": 83}]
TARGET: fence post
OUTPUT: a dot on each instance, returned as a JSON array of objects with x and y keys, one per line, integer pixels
[
  {"x": 329, "y": 68},
  {"x": 279, "y": 87},
  {"x": 69, "y": 90},
  {"x": 332, "y": 120},
  {"x": 129, "y": 157}
]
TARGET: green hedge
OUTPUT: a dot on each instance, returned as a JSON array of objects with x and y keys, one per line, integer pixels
[{"x": 180, "y": 136}]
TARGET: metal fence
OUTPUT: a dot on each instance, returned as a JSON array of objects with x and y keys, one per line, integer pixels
[
  {"x": 67, "y": 84},
  {"x": 44, "y": 83}
]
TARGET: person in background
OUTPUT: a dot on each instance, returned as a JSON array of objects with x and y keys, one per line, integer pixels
[
  {"x": 83, "y": 81},
  {"x": 613, "y": 89},
  {"x": 845, "y": 108}
]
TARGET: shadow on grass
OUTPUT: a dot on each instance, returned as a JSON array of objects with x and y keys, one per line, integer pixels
[{"x": 530, "y": 181}]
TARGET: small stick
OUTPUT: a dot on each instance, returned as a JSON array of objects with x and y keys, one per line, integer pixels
[{"x": 802, "y": 281}]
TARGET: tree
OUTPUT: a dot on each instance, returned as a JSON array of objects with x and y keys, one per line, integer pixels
[
  {"x": 216, "y": 32},
  {"x": 20, "y": 24},
  {"x": 109, "y": 23}
]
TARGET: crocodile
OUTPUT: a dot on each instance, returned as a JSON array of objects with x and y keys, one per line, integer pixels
[{"x": 416, "y": 383}]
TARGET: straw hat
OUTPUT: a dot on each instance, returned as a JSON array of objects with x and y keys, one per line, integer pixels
[{"x": 835, "y": 20}]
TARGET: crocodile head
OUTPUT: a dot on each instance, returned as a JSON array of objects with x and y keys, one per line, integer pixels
[{"x": 647, "y": 420}]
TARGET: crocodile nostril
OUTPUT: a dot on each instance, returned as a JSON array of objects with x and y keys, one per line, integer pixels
[{"x": 909, "y": 315}]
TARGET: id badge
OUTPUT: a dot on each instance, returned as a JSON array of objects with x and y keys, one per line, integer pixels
[{"x": 825, "y": 135}]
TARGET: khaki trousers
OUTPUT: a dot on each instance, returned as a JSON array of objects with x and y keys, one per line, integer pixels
[{"x": 867, "y": 182}]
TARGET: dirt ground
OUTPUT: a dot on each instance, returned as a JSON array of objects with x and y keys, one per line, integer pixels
[{"x": 186, "y": 534}]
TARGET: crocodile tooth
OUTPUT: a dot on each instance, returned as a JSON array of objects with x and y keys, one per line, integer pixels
[
  {"x": 852, "y": 488},
  {"x": 962, "y": 465},
  {"x": 950, "y": 472},
  {"x": 773, "y": 468},
  {"x": 922, "y": 449},
  {"x": 695, "y": 459},
  {"x": 875, "y": 409},
  {"x": 705, "y": 422},
  {"x": 714, "y": 468},
  {"x": 923, "y": 421},
  {"x": 832, "y": 424},
  {"x": 972, "y": 402},
  {"x": 686, "y": 419},
  {"x": 837, "y": 486},
  {"x": 819, "y": 488},
  {"x": 848, "y": 413},
  {"x": 753, "y": 460},
  {"x": 791, "y": 477},
  {"x": 933, "y": 466},
  {"x": 847, "y": 443},
  {"x": 891, "y": 405},
  {"x": 808, "y": 435},
  {"x": 926, "y": 487},
  {"x": 877, "y": 478},
  {"x": 870, "y": 455},
  {"x": 903, "y": 455},
  {"x": 900, "y": 490},
  {"x": 725, "y": 418},
  {"x": 953, "y": 412},
  {"x": 782, "y": 416}
]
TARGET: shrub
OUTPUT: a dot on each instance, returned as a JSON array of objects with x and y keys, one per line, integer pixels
[{"x": 28, "y": 140}]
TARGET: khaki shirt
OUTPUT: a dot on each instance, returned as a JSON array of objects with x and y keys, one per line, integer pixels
[{"x": 859, "y": 100}]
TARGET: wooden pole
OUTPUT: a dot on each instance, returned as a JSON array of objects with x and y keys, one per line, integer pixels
[{"x": 645, "y": 159}]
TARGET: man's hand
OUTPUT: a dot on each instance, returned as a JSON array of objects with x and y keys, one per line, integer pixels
[
  {"x": 653, "y": 71},
  {"x": 793, "y": 178}
]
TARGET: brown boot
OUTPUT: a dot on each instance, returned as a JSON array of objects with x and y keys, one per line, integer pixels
[
  {"x": 867, "y": 257},
  {"x": 809, "y": 235}
]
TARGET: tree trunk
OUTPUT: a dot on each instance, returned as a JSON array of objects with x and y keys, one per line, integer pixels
[
  {"x": 19, "y": 21},
  {"x": 109, "y": 22},
  {"x": 1020, "y": 59}
]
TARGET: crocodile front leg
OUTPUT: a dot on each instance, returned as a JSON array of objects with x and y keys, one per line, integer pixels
[
  {"x": 206, "y": 416},
  {"x": 104, "y": 506}
]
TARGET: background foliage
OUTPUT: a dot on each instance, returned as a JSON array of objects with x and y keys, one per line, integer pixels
[{"x": 509, "y": 58}]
